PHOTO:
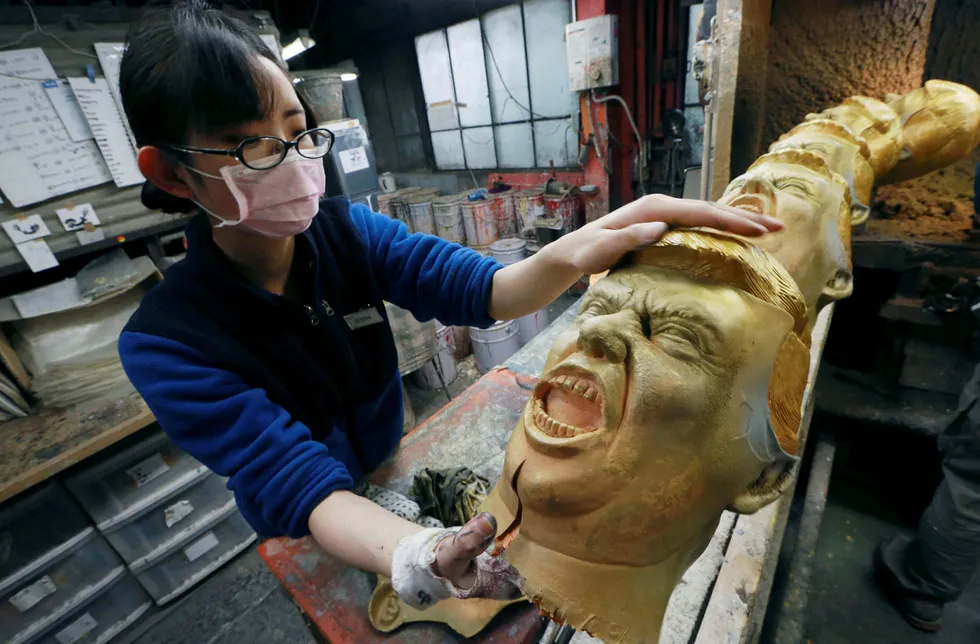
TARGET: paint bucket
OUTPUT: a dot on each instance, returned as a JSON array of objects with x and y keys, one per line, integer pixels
[
  {"x": 508, "y": 251},
  {"x": 447, "y": 212},
  {"x": 532, "y": 324},
  {"x": 532, "y": 248},
  {"x": 593, "y": 205},
  {"x": 479, "y": 223},
  {"x": 420, "y": 215},
  {"x": 483, "y": 250},
  {"x": 445, "y": 361},
  {"x": 384, "y": 204},
  {"x": 397, "y": 208},
  {"x": 563, "y": 207},
  {"x": 495, "y": 345},
  {"x": 461, "y": 342},
  {"x": 502, "y": 206},
  {"x": 529, "y": 205},
  {"x": 414, "y": 340}
]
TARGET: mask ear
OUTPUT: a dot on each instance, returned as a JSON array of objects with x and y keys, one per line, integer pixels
[
  {"x": 859, "y": 214},
  {"x": 838, "y": 288},
  {"x": 770, "y": 485}
]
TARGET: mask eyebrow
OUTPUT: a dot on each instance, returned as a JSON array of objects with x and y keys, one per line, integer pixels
[{"x": 659, "y": 310}]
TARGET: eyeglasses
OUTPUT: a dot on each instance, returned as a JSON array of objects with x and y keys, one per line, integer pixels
[{"x": 266, "y": 152}]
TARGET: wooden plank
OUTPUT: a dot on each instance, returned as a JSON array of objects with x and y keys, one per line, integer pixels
[
  {"x": 741, "y": 590},
  {"x": 35, "y": 448}
]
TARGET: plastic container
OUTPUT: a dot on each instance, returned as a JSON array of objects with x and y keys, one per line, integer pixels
[
  {"x": 103, "y": 617},
  {"x": 447, "y": 212},
  {"x": 427, "y": 376},
  {"x": 36, "y": 529},
  {"x": 509, "y": 251},
  {"x": 420, "y": 215},
  {"x": 480, "y": 224},
  {"x": 197, "y": 553},
  {"x": 532, "y": 324},
  {"x": 49, "y": 592},
  {"x": 158, "y": 525},
  {"x": 495, "y": 345},
  {"x": 126, "y": 483}
]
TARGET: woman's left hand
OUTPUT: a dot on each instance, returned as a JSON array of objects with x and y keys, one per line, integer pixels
[{"x": 601, "y": 244}]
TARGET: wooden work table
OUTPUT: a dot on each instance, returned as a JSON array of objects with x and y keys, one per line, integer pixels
[
  {"x": 722, "y": 598},
  {"x": 35, "y": 448}
]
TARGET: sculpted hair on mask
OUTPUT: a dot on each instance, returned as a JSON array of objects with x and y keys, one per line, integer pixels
[{"x": 189, "y": 67}]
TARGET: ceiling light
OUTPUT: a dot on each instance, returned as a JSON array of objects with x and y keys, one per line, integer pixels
[
  {"x": 301, "y": 43},
  {"x": 348, "y": 76}
]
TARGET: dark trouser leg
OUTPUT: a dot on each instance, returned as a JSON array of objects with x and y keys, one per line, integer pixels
[{"x": 943, "y": 557}]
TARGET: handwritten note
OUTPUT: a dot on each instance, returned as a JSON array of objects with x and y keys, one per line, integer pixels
[
  {"x": 110, "y": 59},
  {"x": 76, "y": 217},
  {"x": 25, "y": 229},
  {"x": 65, "y": 104},
  {"x": 38, "y": 159},
  {"x": 354, "y": 159},
  {"x": 107, "y": 125},
  {"x": 37, "y": 254}
]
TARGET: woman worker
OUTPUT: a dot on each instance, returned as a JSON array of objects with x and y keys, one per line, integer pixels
[{"x": 266, "y": 353}]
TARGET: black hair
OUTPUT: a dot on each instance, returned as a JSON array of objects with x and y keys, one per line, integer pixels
[{"x": 189, "y": 67}]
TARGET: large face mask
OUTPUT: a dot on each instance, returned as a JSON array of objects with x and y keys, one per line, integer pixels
[
  {"x": 651, "y": 417},
  {"x": 940, "y": 125},
  {"x": 795, "y": 187},
  {"x": 843, "y": 152}
]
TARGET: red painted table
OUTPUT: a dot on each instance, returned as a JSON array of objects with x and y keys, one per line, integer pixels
[{"x": 470, "y": 431}]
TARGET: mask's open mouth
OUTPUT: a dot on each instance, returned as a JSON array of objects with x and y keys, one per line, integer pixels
[
  {"x": 749, "y": 202},
  {"x": 568, "y": 405}
]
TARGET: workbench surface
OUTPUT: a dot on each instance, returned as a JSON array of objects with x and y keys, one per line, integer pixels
[
  {"x": 721, "y": 598},
  {"x": 35, "y": 448}
]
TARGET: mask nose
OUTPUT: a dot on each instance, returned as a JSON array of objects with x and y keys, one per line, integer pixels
[{"x": 602, "y": 337}]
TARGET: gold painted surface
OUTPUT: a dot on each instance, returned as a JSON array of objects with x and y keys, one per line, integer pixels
[
  {"x": 843, "y": 152},
  {"x": 797, "y": 187},
  {"x": 467, "y": 617},
  {"x": 940, "y": 125},
  {"x": 873, "y": 121}
]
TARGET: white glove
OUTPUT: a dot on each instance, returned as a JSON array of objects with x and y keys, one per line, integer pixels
[{"x": 417, "y": 585}]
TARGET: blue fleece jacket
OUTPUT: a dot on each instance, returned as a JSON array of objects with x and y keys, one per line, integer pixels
[{"x": 282, "y": 397}]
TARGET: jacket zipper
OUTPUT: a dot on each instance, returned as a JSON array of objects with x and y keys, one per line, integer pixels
[
  {"x": 327, "y": 307},
  {"x": 314, "y": 320}
]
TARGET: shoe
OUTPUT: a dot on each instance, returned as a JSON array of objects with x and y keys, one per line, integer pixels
[{"x": 920, "y": 612}]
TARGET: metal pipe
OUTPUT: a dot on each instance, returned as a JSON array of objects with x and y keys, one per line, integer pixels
[{"x": 792, "y": 613}]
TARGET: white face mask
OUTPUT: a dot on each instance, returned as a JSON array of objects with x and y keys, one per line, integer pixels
[{"x": 278, "y": 202}]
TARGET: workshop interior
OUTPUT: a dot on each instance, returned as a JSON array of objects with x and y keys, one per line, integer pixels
[{"x": 739, "y": 478}]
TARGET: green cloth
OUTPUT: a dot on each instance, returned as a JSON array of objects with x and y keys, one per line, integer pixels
[{"x": 452, "y": 496}]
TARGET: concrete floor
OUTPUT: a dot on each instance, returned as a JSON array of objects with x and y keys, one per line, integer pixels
[{"x": 869, "y": 500}]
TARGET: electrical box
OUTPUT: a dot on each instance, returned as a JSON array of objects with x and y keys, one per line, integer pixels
[{"x": 592, "y": 48}]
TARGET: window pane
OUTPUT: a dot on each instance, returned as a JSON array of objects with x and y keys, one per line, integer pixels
[
  {"x": 469, "y": 72},
  {"x": 554, "y": 140},
  {"x": 514, "y": 147},
  {"x": 479, "y": 147},
  {"x": 436, "y": 74},
  {"x": 448, "y": 150},
  {"x": 504, "y": 32},
  {"x": 544, "y": 27},
  {"x": 691, "y": 85}
]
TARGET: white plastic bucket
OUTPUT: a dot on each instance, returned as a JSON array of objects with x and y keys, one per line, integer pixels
[
  {"x": 479, "y": 222},
  {"x": 508, "y": 251},
  {"x": 494, "y": 345},
  {"x": 445, "y": 361},
  {"x": 532, "y": 324},
  {"x": 447, "y": 212}
]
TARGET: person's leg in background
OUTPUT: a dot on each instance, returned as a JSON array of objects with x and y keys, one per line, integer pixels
[{"x": 920, "y": 575}]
